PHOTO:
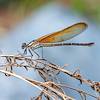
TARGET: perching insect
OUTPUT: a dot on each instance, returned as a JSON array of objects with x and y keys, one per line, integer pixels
[{"x": 57, "y": 38}]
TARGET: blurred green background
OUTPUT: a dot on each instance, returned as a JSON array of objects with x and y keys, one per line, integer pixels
[{"x": 13, "y": 11}]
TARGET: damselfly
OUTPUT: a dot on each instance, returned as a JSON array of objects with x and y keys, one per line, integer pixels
[{"x": 58, "y": 38}]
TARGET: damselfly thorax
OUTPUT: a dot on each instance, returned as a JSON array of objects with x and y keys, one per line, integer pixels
[
  {"x": 57, "y": 38},
  {"x": 31, "y": 46}
]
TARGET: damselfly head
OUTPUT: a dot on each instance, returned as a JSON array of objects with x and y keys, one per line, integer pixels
[{"x": 24, "y": 45}]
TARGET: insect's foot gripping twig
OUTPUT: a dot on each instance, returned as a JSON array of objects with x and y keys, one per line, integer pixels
[
  {"x": 32, "y": 50},
  {"x": 25, "y": 52},
  {"x": 37, "y": 54}
]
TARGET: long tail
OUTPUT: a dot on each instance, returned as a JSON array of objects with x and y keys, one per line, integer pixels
[{"x": 65, "y": 44}]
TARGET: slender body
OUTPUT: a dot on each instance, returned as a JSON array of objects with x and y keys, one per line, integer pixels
[{"x": 56, "y": 38}]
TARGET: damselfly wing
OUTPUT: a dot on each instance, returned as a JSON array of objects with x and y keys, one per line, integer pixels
[
  {"x": 55, "y": 39},
  {"x": 64, "y": 34}
]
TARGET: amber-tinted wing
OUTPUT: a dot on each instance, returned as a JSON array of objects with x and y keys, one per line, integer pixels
[{"x": 64, "y": 34}]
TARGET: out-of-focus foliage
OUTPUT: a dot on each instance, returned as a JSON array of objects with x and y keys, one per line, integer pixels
[
  {"x": 88, "y": 8},
  {"x": 23, "y": 3},
  {"x": 20, "y": 6},
  {"x": 13, "y": 11},
  {"x": 91, "y": 8}
]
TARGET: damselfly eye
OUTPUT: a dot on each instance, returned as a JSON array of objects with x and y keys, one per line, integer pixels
[{"x": 23, "y": 45}]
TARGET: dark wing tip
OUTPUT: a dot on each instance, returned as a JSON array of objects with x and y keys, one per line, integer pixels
[{"x": 83, "y": 23}]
